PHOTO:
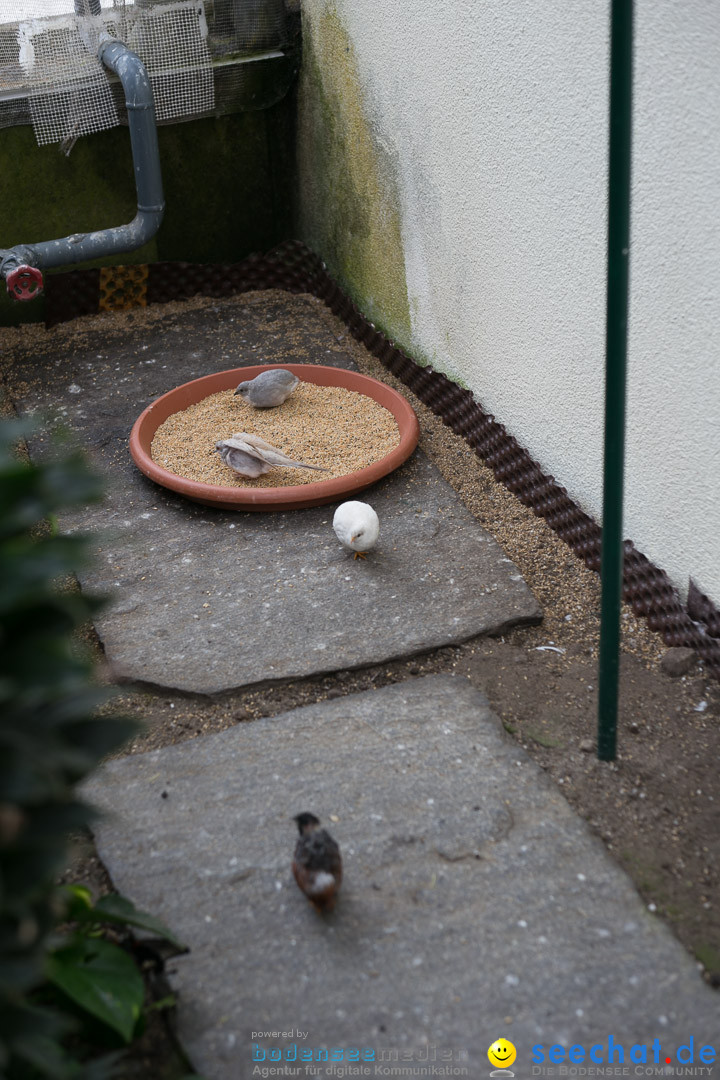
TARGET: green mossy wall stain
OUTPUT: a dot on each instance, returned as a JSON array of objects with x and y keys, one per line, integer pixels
[
  {"x": 227, "y": 191},
  {"x": 347, "y": 194},
  {"x": 45, "y": 195}
]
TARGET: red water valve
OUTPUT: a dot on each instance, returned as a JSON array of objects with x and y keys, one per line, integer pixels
[{"x": 24, "y": 282}]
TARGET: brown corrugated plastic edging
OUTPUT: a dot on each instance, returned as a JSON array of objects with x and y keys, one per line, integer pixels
[{"x": 294, "y": 268}]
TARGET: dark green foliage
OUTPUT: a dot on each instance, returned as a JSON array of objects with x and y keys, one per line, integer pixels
[
  {"x": 51, "y": 736},
  {"x": 114, "y": 910},
  {"x": 100, "y": 978}
]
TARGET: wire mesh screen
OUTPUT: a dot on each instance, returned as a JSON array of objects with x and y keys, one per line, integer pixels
[
  {"x": 69, "y": 94},
  {"x": 171, "y": 39},
  {"x": 202, "y": 57},
  {"x": 245, "y": 26}
]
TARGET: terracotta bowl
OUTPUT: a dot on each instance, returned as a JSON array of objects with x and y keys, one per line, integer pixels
[{"x": 278, "y": 498}]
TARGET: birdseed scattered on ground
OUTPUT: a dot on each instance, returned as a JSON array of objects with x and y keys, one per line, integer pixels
[{"x": 338, "y": 429}]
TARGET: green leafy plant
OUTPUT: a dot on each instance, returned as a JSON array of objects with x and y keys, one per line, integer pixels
[
  {"x": 51, "y": 737},
  {"x": 97, "y": 975}
]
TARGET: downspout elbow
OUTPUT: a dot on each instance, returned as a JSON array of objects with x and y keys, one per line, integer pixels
[{"x": 133, "y": 75}]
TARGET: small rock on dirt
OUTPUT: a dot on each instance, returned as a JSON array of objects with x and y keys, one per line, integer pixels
[{"x": 678, "y": 661}]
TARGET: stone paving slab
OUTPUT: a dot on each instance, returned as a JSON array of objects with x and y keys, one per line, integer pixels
[
  {"x": 208, "y": 601},
  {"x": 475, "y": 905}
]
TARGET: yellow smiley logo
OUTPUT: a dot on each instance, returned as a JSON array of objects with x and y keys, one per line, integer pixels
[{"x": 502, "y": 1053}]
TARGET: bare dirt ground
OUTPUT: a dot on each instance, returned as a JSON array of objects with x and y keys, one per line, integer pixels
[{"x": 656, "y": 808}]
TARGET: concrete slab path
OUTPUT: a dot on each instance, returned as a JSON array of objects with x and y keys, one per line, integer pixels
[{"x": 475, "y": 905}]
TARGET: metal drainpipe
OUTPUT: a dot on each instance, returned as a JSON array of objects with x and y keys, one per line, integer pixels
[
  {"x": 621, "y": 50},
  {"x": 20, "y": 265}
]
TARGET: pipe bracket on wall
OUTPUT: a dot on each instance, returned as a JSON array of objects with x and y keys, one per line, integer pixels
[{"x": 23, "y": 264}]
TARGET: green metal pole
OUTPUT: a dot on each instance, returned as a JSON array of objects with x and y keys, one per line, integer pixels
[{"x": 621, "y": 51}]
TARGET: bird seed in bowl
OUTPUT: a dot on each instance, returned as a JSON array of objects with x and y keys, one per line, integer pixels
[{"x": 338, "y": 429}]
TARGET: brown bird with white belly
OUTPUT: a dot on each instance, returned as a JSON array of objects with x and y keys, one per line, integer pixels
[{"x": 317, "y": 863}]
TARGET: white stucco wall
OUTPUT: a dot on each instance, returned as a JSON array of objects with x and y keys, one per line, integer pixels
[
  {"x": 673, "y": 443},
  {"x": 493, "y": 116}
]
